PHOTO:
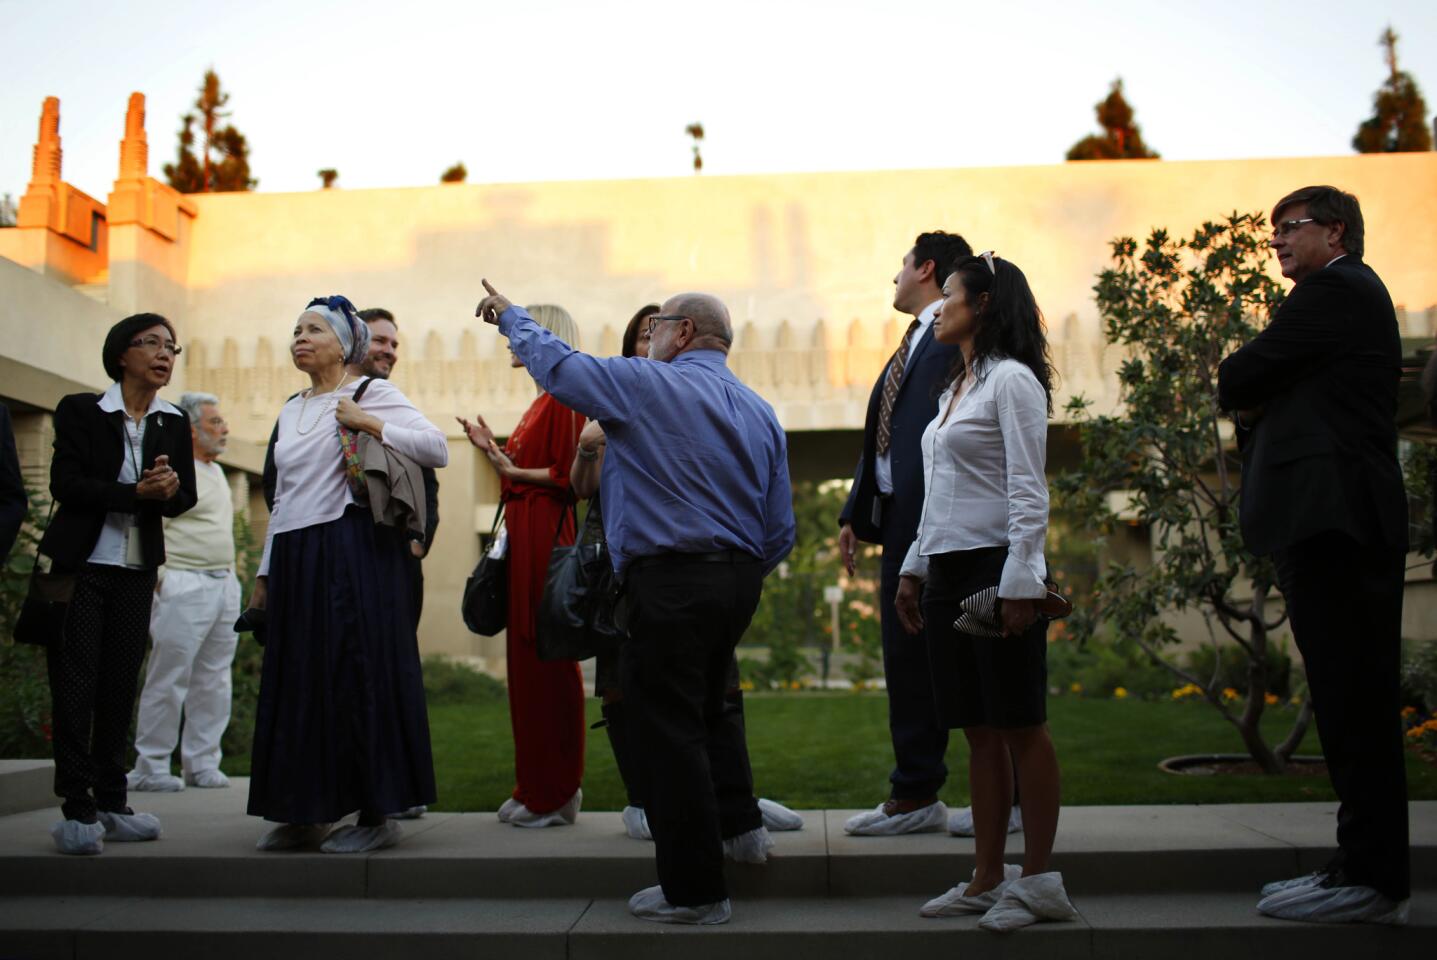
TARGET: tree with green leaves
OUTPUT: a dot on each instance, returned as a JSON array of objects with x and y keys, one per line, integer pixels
[
  {"x": 1399, "y": 114},
  {"x": 1176, "y": 308},
  {"x": 455, "y": 174},
  {"x": 696, "y": 133},
  {"x": 1121, "y": 139},
  {"x": 222, "y": 164},
  {"x": 327, "y": 176}
]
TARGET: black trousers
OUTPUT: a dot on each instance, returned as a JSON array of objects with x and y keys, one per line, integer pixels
[
  {"x": 94, "y": 673},
  {"x": 919, "y": 739},
  {"x": 685, "y": 619},
  {"x": 416, "y": 584},
  {"x": 1345, "y": 601}
]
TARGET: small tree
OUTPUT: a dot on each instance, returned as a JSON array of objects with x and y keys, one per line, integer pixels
[
  {"x": 327, "y": 176},
  {"x": 7, "y": 211},
  {"x": 1399, "y": 120},
  {"x": 222, "y": 165},
  {"x": 696, "y": 131},
  {"x": 1177, "y": 308},
  {"x": 455, "y": 174},
  {"x": 1121, "y": 139}
]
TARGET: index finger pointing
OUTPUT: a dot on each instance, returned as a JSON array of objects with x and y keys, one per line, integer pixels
[{"x": 488, "y": 287}]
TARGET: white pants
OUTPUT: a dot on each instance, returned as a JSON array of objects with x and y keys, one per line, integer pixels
[{"x": 192, "y": 625}]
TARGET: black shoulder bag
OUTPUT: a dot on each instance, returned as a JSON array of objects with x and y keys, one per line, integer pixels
[
  {"x": 575, "y": 620},
  {"x": 486, "y": 593},
  {"x": 42, "y": 616}
]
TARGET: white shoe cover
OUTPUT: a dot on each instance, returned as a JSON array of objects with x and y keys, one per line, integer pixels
[
  {"x": 410, "y": 813},
  {"x": 292, "y": 836},
  {"x": 1306, "y": 880},
  {"x": 1029, "y": 900},
  {"x": 522, "y": 816},
  {"x": 130, "y": 827},
  {"x": 78, "y": 838},
  {"x": 208, "y": 779},
  {"x": 778, "y": 818},
  {"x": 357, "y": 839},
  {"x": 649, "y": 904},
  {"x": 955, "y": 904},
  {"x": 1318, "y": 904},
  {"x": 636, "y": 823},
  {"x": 960, "y": 821},
  {"x": 751, "y": 847},
  {"x": 876, "y": 823},
  {"x": 507, "y": 808},
  {"x": 153, "y": 782}
]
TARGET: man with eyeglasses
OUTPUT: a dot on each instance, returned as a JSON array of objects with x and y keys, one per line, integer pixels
[
  {"x": 197, "y": 600},
  {"x": 1315, "y": 399},
  {"x": 697, "y": 509}
]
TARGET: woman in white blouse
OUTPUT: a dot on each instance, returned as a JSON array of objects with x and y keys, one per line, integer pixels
[
  {"x": 341, "y": 724},
  {"x": 984, "y": 521}
]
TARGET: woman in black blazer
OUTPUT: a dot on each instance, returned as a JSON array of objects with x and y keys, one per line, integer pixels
[{"x": 122, "y": 462}]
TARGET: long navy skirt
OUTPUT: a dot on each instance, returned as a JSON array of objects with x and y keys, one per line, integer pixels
[{"x": 341, "y": 723}]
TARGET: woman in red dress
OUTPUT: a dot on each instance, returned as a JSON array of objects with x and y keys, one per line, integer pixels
[{"x": 546, "y": 700}]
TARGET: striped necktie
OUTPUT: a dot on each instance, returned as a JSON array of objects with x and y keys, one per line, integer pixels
[{"x": 890, "y": 389}]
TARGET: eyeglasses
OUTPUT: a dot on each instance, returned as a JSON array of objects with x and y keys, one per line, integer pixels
[
  {"x": 1286, "y": 227},
  {"x": 987, "y": 256},
  {"x": 654, "y": 320},
  {"x": 155, "y": 345}
]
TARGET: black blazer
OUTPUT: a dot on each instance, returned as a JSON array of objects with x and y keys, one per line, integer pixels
[
  {"x": 89, "y": 448},
  {"x": 13, "y": 502},
  {"x": 1323, "y": 454},
  {"x": 924, "y": 377}
]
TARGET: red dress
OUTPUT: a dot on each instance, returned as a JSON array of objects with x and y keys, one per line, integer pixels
[{"x": 546, "y": 700}]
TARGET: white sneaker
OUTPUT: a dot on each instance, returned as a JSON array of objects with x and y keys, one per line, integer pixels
[
  {"x": 1029, "y": 900},
  {"x": 877, "y": 823},
  {"x": 130, "y": 827},
  {"x": 955, "y": 904},
  {"x": 778, "y": 818},
  {"x": 292, "y": 836},
  {"x": 507, "y": 808},
  {"x": 751, "y": 847},
  {"x": 960, "y": 821},
  {"x": 78, "y": 838},
  {"x": 212, "y": 779},
  {"x": 153, "y": 782},
  {"x": 357, "y": 839},
  {"x": 1306, "y": 880},
  {"x": 649, "y": 904},
  {"x": 636, "y": 823},
  {"x": 1350, "y": 904},
  {"x": 565, "y": 815},
  {"x": 410, "y": 813}
]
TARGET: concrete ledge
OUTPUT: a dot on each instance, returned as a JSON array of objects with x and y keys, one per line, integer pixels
[{"x": 26, "y": 785}]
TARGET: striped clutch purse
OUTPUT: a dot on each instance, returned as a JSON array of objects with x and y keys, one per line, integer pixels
[{"x": 982, "y": 612}]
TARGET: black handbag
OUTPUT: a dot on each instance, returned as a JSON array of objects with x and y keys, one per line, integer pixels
[
  {"x": 575, "y": 620},
  {"x": 42, "y": 616},
  {"x": 486, "y": 593}
]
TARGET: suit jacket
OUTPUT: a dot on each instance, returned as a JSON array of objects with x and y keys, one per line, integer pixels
[
  {"x": 13, "y": 502},
  {"x": 924, "y": 376},
  {"x": 1323, "y": 454},
  {"x": 89, "y": 448}
]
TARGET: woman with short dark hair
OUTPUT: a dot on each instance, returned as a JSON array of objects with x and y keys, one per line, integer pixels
[{"x": 122, "y": 462}]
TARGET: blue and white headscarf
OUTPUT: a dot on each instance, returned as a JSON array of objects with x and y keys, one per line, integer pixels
[{"x": 343, "y": 319}]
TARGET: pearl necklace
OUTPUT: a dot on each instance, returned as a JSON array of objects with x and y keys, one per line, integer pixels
[{"x": 324, "y": 407}]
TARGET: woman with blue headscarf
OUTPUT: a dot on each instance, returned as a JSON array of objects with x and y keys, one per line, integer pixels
[{"x": 341, "y": 724}]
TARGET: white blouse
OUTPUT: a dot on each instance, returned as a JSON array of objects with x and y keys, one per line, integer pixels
[
  {"x": 983, "y": 477},
  {"x": 310, "y": 487}
]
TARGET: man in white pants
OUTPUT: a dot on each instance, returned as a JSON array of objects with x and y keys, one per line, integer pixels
[{"x": 197, "y": 601}]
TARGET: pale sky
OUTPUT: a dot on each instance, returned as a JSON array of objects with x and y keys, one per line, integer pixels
[{"x": 391, "y": 93}]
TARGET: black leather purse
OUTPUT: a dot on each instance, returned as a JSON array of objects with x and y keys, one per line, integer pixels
[
  {"x": 485, "y": 606},
  {"x": 576, "y": 620},
  {"x": 42, "y": 615}
]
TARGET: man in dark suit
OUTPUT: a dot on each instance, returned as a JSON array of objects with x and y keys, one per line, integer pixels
[
  {"x": 1315, "y": 398},
  {"x": 13, "y": 502},
  {"x": 884, "y": 507}
]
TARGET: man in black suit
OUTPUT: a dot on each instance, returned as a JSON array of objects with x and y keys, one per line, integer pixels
[
  {"x": 1315, "y": 399},
  {"x": 884, "y": 507},
  {"x": 13, "y": 502}
]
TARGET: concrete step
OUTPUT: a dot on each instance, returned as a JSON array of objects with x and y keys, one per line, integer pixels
[
  {"x": 26, "y": 785},
  {"x": 1174, "y": 926},
  {"x": 208, "y": 851}
]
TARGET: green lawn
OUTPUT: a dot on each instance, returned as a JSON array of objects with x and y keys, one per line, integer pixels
[{"x": 813, "y": 750}]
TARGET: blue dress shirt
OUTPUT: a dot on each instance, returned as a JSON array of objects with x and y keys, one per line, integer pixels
[{"x": 697, "y": 461}]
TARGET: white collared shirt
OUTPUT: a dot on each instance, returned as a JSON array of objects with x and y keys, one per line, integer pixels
[
  {"x": 114, "y": 535},
  {"x": 883, "y": 463},
  {"x": 983, "y": 477}
]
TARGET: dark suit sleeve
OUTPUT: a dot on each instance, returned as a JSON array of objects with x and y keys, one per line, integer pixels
[
  {"x": 1307, "y": 331},
  {"x": 13, "y": 502},
  {"x": 846, "y": 514},
  {"x": 270, "y": 477},
  {"x": 74, "y": 451},
  {"x": 182, "y": 461},
  {"x": 431, "y": 505}
]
